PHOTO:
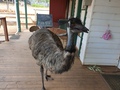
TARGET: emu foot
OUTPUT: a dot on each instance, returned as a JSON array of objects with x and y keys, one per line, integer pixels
[
  {"x": 43, "y": 88},
  {"x": 48, "y": 77}
]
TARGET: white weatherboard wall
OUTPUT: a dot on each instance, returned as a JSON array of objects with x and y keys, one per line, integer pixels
[{"x": 96, "y": 50}]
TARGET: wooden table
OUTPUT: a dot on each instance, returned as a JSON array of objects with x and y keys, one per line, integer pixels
[
  {"x": 58, "y": 31},
  {"x": 3, "y": 19}
]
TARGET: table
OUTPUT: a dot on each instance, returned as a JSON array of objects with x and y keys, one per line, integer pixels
[
  {"x": 58, "y": 31},
  {"x": 3, "y": 19}
]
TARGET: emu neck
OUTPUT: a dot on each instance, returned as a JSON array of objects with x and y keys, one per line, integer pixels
[{"x": 70, "y": 47}]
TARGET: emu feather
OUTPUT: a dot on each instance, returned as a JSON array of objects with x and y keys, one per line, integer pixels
[{"x": 47, "y": 49}]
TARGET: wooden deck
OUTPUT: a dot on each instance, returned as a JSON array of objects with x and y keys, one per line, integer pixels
[{"x": 18, "y": 71}]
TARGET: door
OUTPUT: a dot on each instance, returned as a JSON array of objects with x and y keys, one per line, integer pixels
[{"x": 58, "y": 9}]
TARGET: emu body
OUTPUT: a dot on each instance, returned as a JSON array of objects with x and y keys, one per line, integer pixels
[{"x": 48, "y": 50}]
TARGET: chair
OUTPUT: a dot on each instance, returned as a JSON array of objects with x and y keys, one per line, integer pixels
[
  {"x": 62, "y": 23},
  {"x": 44, "y": 20}
]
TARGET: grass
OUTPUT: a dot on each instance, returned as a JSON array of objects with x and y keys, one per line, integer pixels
[{"x": 38, "y": 5}]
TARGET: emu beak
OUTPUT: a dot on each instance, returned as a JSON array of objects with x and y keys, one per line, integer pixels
[{"x": 79, "y": 28}]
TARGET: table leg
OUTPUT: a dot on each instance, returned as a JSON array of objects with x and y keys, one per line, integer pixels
[{"x": 5, "y": 29}]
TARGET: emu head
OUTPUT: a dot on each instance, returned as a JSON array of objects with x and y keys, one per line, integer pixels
[{"x": 75, "y": 25}]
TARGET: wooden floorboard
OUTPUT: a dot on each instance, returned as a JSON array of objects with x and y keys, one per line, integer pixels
[{"x": 18, "y": 71}]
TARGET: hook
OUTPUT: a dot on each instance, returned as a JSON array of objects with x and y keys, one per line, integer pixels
[{"x": 108, "y": 26}]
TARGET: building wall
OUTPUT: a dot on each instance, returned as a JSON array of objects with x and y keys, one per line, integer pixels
[
  {"x": 85, "y": 37},
  {"x": 96, "y": 50}
]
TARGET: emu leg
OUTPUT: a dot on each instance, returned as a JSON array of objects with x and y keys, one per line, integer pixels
[
  {"x": 42, "y": 75},
  {"x": 48, "y": 77}
]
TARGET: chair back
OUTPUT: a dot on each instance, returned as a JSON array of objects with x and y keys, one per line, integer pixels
[{"x": 44, "y": 20}]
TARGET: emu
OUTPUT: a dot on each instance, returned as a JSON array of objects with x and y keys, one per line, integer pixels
[{"x": 47, "y": 48}]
